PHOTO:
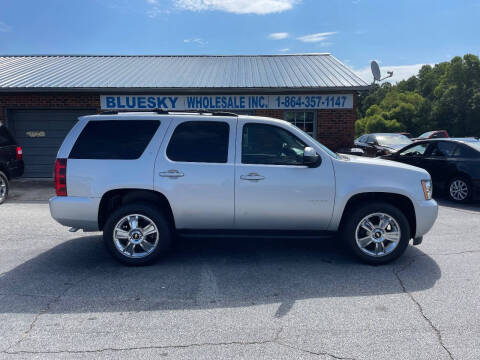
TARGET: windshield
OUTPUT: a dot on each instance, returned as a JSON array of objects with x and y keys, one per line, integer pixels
[
  {"x": 387, "y": 140},
  {"x": 425, "y": 135}
]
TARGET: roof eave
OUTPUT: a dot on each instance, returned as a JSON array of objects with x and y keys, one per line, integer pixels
[{"x": 157, "y": 90}]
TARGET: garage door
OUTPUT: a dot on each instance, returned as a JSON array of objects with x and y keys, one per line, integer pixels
[{"x": 40, "y": 133}]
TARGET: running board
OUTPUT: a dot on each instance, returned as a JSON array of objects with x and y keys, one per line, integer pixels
[{"x": 256, "y": 234}]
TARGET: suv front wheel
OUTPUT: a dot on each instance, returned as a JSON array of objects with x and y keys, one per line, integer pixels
[
  {"x": 377, "y": 233},
  {"x": 137, "y": 234}
]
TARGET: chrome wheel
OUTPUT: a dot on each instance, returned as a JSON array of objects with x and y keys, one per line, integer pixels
[
  {"x": 378, "y": 234},
  {"x": 135, "y": 236},
  {"x": 458, "y": 190},
  {"x": 3, "y": 188}
]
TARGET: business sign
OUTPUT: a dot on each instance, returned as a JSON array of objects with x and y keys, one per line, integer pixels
[{"x": 225, "y": 102}]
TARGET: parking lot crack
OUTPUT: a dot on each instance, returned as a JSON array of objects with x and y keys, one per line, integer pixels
[
  {"x": 275, "y": 340},
  {"x": 47, "y": 307},
  {"x": 317, "y": 353},
  {"x": 437, "y": 332},
  {"x": 160, "y": 347}
]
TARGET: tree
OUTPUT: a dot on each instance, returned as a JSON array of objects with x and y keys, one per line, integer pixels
[{"x": 445, "y": 96}]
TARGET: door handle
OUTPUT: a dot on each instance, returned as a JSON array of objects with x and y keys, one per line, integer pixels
[
  {"x": 252, "y": 177},
  {"x": 171, "y": 173}
]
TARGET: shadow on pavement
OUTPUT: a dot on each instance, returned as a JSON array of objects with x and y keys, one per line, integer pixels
[
  {"x": 473, "y": 206},
  {"x": 201, "y": 274}
]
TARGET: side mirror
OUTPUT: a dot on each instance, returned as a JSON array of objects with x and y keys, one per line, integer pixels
[
  {"x": 311, "y": 158},
  {"x": 371, "y": 142}
]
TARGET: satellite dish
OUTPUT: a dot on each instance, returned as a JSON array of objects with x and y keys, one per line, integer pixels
[{"x": 375, "y": 70}]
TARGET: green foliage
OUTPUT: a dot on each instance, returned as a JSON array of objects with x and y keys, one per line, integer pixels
[
  {"x": 377, "y": 123},
  {"x": 446, "y": 96}
]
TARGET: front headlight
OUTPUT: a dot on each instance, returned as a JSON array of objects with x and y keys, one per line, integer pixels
[{"x": 427, "y": 189}]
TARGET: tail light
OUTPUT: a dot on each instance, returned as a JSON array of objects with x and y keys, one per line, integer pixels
[
  {"x": 19, "y": 153},
  {"x": 60, "y": 177}
]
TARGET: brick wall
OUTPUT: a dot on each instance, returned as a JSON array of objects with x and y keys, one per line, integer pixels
[
  {"x": 277, "y": 114},
  {"x": 336, "y": 128},
  {"x": 48, "y": 101}
]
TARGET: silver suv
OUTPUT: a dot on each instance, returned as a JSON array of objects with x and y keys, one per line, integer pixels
[{"x": 143, "y": 177}]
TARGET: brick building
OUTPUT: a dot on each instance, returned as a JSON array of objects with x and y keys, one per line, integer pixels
[{"x": 41, "y": 97}]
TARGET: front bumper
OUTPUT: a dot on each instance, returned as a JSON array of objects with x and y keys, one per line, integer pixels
[
  {"x": 75, "y": 211},
  {"x": 426, "y": 213}
]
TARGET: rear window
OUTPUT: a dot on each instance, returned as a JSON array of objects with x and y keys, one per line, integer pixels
[
  {"x": 475, "y": 145},
  {"x": 465, "y": 151},
  {"x": 114, "y": 139},
  {"x": 5, "y": 138},
  {"x": 199, "y": 141}
]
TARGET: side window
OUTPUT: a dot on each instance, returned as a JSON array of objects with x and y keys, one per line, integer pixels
[
  {"x": 5, "y": 137},
  {"x": 114, "y": 139},
  {"x": 371, "y": 138},
  {"x": 463, "y": 151},
  {"x": 362, "y": 139},
  {"x": 417, "y": 150},
  {"x": 199, "y": 141},
  {"x": 443, "y": 149},
  {"x": 270, "y": 145}
]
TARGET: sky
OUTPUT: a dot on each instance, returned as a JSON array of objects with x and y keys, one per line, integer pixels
[{"x": 401, "y": 35}]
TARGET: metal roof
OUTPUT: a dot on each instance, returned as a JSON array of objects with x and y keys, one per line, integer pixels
[{"x": 95, "y": 72}]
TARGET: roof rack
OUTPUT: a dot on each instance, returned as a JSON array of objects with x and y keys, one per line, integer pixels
[{"x": 163, "y": 111}]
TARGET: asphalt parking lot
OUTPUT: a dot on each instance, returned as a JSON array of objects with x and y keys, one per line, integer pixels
[{"x": 63, "y": 296}]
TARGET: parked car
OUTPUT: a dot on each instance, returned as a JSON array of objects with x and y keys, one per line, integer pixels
[
  {"x": 381, "y": 143},
  {"x": 11, "y": 161},
  {"x": 141, "y": 177},
  {"x": 454, "y": 165},
  {"x": 435, "y": 134},
  {"x": 351, "y": 151}
]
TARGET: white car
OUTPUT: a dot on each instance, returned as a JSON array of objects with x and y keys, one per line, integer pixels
[{"x": 142, "y": 177}]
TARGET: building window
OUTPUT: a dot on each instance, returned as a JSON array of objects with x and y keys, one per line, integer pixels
[{"x": 304, "y": 120}]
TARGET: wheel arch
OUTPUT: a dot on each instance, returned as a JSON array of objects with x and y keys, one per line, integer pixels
[
  {"x": 4, "y": 170},
  {"x": 459, "y": 174},
  {"x": 114, "y": 198},
  {"x": 402, "y": 202}
]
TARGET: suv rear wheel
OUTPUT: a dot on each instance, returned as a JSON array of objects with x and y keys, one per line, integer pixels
[
  {"x": 3, "y": 187},
  {"x": 376, "y": 233},
  {"x": 137, "y": 234}
]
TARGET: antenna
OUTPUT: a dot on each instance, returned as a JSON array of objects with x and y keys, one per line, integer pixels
[{"x": 376, "y": 72}]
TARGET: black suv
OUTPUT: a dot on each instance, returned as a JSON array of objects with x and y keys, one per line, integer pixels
[{"x": 11, "y": 161}]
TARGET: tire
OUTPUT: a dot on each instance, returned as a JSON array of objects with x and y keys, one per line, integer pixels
[
  {"x": 129, "y": 224},
  {"x": 388, "y": 221},
  {"x": 459, "y": 189},
  {"x": 4, "y": 187}
]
